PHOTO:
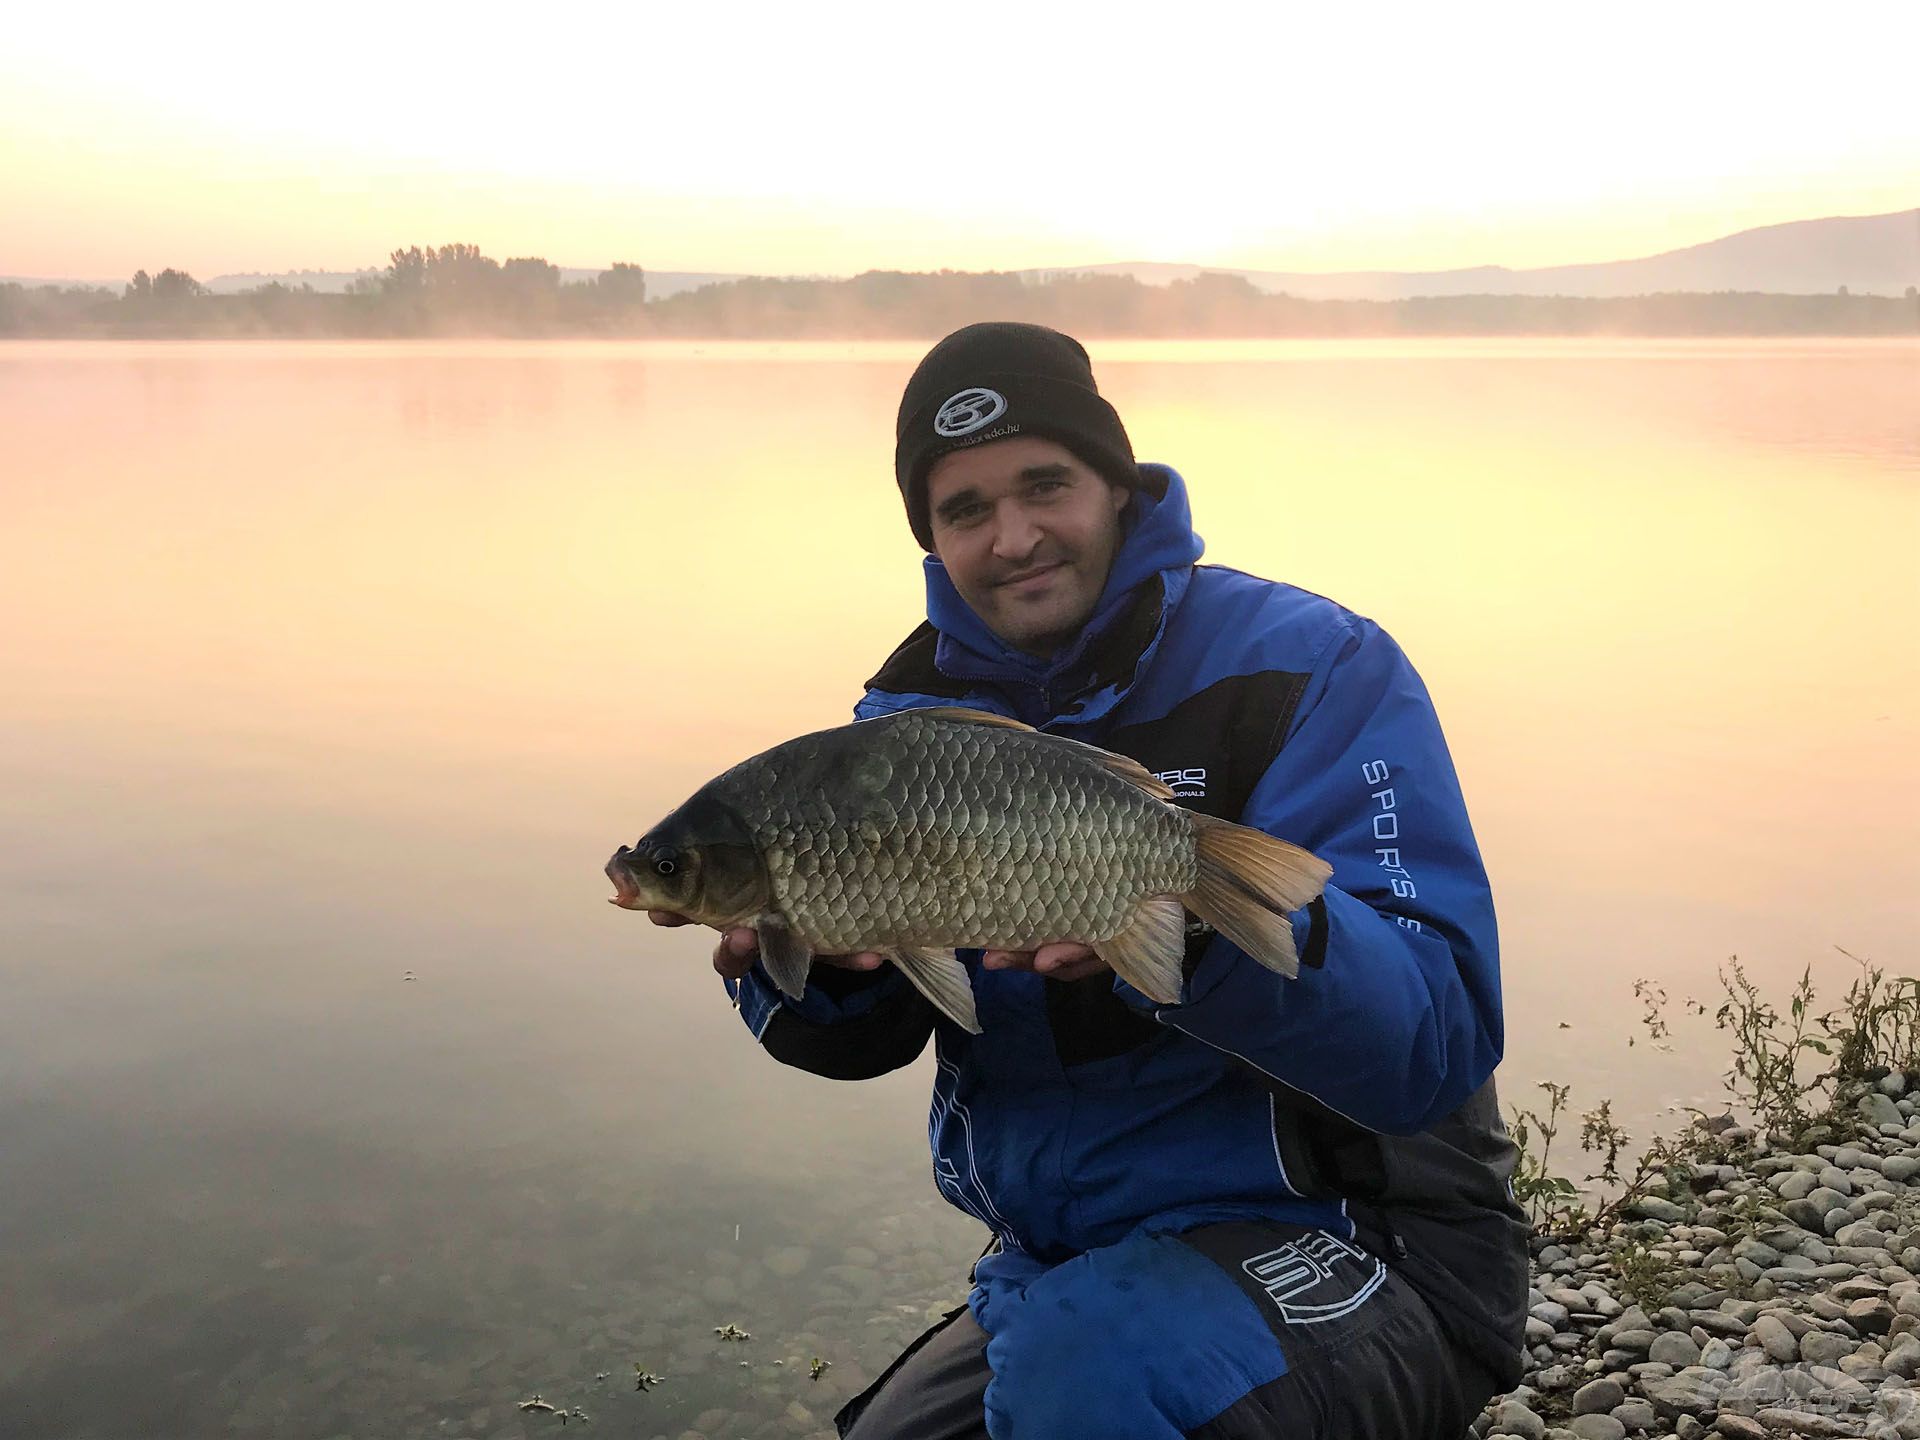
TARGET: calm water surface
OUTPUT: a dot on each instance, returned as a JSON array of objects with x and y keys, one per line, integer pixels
[{"x": 322, "y": 666}]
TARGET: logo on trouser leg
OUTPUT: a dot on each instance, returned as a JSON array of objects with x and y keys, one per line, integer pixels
[{"x": 1316, "y": 1277}]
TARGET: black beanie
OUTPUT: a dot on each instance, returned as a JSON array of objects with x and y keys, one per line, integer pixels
[{"x": 998, "y": 379}]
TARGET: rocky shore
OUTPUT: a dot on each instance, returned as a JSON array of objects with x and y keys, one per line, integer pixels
[{"x": 1772, "y": 1290}]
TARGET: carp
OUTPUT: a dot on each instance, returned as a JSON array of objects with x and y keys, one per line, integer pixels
[{"x": 931, "y": 830}]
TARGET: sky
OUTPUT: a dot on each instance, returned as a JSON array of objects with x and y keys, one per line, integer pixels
[{"x": 219, "y": 137}]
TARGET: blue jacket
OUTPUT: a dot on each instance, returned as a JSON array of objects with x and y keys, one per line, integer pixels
[{"x": 1083, "y": 1113}]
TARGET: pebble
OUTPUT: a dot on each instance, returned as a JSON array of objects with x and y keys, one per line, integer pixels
[
  {"x": 1598, "y": 1396},
  {"x": 1818, "y": 1347},
  {"x": 1652, "y": 1207},
  {"x": 1877, "y": 1109},
  {"x": 1513, "y": 1418},
  {"x": 1636, "y": 1414},
  {"x": 1776, "y": 1339},
  {"x": 1674, "y": 1349}
]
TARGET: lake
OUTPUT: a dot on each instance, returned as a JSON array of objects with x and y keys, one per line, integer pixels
[{"x": 337, "y": 1102}]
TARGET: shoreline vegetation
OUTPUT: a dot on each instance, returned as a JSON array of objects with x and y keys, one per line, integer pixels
[
  {"x": 1759, "y": 1273},
  {"x": 456, "y": 291}
]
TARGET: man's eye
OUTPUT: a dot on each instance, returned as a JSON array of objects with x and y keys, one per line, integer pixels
[{"x": 1046, "y": 487}]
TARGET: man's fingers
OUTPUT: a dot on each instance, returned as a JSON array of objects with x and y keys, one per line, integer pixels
[
  {"x": 1075, "y": 969},
  {"x": 733, "y": 956},
  {"x": 1060, "y": 960},
  {"x": 861, "y": 960},
  {"x": 1049, "y": 958},
  {"x": 740, "y": 947}
]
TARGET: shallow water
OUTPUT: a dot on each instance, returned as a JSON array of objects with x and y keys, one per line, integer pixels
[{"x": 330, "y": 664}]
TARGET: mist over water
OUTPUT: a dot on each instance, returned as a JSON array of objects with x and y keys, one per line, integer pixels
[{"x": 326, "y": 665}]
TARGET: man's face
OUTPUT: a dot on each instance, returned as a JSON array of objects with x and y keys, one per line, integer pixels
[{"x": 1028, "y": 533}]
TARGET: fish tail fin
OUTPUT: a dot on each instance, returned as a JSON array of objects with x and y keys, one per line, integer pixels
[{"x": 1249, "y": 884}]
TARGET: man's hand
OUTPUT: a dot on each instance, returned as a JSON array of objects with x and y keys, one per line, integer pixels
[
  {"x": 735, "y": 953},
  {"x": 1062, "y": 960}
]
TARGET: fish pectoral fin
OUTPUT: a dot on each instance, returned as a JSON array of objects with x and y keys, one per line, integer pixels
[
  {"x": 939, "y": 976},
  {"x": 1250, "y": 883},
  {"x": 783, "y": 954},
  {"x": 1148, "y": 954}
]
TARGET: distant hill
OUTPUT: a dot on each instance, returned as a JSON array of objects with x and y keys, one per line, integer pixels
[{"x": 1869, "y": 254}]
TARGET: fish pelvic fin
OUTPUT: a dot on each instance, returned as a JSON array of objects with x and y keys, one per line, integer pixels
[
  {"x": 939, "y": 975},
  {"x": 1148, "y": 954},
  {"x": 1249, "y": 884},
  {"x": 783, "y": 954}
]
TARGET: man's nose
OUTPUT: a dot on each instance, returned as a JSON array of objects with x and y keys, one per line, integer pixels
[{"x": 1014, "y": 533}]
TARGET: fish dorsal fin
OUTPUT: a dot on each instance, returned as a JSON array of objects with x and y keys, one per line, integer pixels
[
  {"x": 1128, "y": 769},
  {"x": 1134, "y": 773},
  {"x": 964, "y": 715}
]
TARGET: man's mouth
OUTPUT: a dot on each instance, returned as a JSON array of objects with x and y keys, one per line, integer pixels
[{"x": 1026, "y": 576}]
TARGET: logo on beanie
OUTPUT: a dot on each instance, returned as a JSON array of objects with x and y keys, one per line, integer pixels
[{"x": 969, "y": 411}]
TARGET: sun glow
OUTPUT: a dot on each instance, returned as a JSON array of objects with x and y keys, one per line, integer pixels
[{"x": 734, "y": 137}]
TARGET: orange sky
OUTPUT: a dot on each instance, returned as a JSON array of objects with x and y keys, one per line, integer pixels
[{"x": 218, "y": 137}]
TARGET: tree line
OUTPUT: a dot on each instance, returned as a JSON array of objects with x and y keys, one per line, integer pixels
[{"x": 457, "y": 290}]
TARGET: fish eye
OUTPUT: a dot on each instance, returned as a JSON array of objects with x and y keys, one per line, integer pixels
[{"x": 666, "y": 865}]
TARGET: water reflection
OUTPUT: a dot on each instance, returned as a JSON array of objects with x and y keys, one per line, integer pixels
[{"x": 331, "y": 663}]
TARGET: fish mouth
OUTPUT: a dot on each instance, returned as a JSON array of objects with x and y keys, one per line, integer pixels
[{"x": 621, "y": 874}]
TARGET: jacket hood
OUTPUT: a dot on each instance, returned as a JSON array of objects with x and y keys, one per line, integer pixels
[{"x": 1158, "y": 542}]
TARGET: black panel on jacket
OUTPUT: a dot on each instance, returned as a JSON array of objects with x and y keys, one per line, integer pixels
[
  {"x": 1090, "y": 1022},
  {"x": 910, "y": 669},
  {"x": 1214, "y": 746}
]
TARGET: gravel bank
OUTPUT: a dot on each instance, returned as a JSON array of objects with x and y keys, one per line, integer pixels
[{"x": 1775, "y": 1295}]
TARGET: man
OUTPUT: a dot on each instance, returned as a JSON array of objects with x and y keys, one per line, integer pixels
[{"x": 1277, "y": 1208}]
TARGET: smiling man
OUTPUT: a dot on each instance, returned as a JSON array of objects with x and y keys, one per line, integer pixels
[
  {"x": 1277, "y": 1208},
  {"x": 1027, "y": 533}
]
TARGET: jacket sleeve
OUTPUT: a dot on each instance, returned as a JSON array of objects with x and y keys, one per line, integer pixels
[
  {"x": 1395, "y": 1018},
  {"x": 848, "y": 1025}
]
